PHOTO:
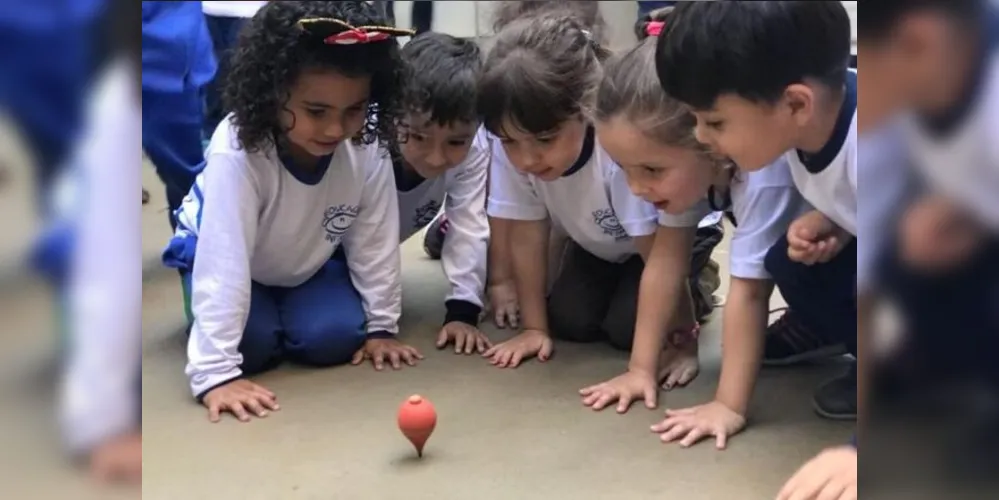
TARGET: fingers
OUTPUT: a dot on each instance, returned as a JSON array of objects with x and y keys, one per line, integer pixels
[
  {"x": 409, "y": 356},
  {"x": 491, "y": 352},
  {"x": 378, "y": 358},
  {"x": 358, "y": 357},
  {"x": 394, "y": 359},
  {"x": 686, "y": 375},
  {"x": 459, "y": 342},
  {"x": 442, "y": 338},
  {"x": 721, "y": 440},
  {"x": 651, "y": 394},
  {"x": 512, "y": 314},
  {"x": 695, "y": 435},
  {"x": 499, "y": 318},
  {"x": 833, "y": 490},
  {"x": 214, "y": 412},
  {"x": 236, "y": 407},
  {"x": 665, "y": 425},
  {"x": 470, "y": 343},
  {"x": 482, "y": 344},
  {"x": 623, "y": 402},
  {"x": 253, "y": 404},
  {"x": 518, "y": 355},
  {"x": 545, "y": 353}
]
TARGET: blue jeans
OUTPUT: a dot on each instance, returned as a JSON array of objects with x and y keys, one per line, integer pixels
[
  {"x": 822, "y": 296},
  {"x": 318, "y": 323}
]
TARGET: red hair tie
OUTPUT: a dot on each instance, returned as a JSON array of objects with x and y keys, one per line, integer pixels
[{"x": 654, "y": 28}]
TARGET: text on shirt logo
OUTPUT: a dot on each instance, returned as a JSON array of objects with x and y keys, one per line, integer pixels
[
  {"x": 607, "y": 220},
  {"x": 337, "y": 220}
]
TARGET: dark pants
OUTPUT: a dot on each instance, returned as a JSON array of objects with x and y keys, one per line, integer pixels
[
  {"x": 822, "y": 296},
  {"x": 593, "y": 300},
  {"x": 951, "y": 319},
  {"x": 223, "y": 31},
  {"x": 646, "y": 7},
  {"x": 318, "y": 323},
  {"x": 423, "y": 15}
]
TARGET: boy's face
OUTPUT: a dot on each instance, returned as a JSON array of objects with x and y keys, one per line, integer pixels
[
  {"x": 919, "y": 65},
  {"x": 547, "y": 155},
  {"x": 432, "y": 149},
  {"x": 324, "y": 109},
  {"x": 672, "y": 178},
  {"x": 754, "y": 134}
]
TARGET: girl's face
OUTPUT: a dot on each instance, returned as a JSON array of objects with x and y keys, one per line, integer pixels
[
  {"x": 672, "y": 178},
  {"x": 324, "y": 109},
  {"x": 432, "y": 149},
  {"x": 547, "y": 155}
]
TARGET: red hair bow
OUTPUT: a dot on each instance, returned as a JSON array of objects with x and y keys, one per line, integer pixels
[
  {"x": 345, "y": 34},
  {"x": 654, "y": 28}
]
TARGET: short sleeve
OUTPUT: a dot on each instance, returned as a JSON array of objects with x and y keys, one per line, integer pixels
[
  {"x": 637, "y": 216},
  {"x": 511, "y": 195},
  {"x": 690, "y": 218}
]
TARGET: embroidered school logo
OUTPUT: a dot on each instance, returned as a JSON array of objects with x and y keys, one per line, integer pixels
[
  {"x": 607, "y": 220},
  {"x": 425, "y": 214},
  {"x": 337, "y": 220}
]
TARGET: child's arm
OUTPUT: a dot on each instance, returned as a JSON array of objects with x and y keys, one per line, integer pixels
[
  {"x": 465, "y": 250},
  {"x": 502, "y": 289},
  {"x": 512, "y": 197},
  {"x": 743, "y": 331},
  {"x": 372, "y": 247},
  {"x": 220, "y": 285}
]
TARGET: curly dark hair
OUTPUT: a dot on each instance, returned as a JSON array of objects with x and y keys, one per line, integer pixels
[
  {"x": 442, "y": 77},
  {"x": 273, "y": 50}
]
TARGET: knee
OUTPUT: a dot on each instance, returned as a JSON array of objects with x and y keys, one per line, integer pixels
[
  {"x": 260, "y": 348},
  {"x": 326, "y": 343},
  {"x": 568, "y": 322}
]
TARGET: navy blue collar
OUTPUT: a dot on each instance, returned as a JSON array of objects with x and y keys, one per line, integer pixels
[
  {"x": 818, "y": 162},
  {"x": 406, "y": 179},
  {"x": 310, "y": 177},
  {"x": 946, "y": 122},
  {"x": 585, "y": 154}
]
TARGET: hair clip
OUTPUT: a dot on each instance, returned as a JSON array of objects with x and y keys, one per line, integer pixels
[
  {"x": 347, "y": 34},
  {"x": 654, "y": 28}
]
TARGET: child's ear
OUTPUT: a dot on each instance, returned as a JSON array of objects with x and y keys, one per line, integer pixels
[{"x": 800, "y": 98}]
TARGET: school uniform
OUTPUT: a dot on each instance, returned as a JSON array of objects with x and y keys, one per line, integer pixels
[
  {"x": 224, "y": 21},
  {"x": 177, "y": 63},
  {"x": 101, "y": 385},
  {"x": 952, "y": 318},
  {"x": 823, "y": 295},
  {"x": 281, "y": 264},
  {"x": 761, "y": 205},
  {"x": 595, "y": 294},
  {"x": 461, "y": 191}
]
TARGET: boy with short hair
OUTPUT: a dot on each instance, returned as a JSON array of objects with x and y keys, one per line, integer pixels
[
  {"x": 767, "y": 79},
  {"x": 443, "y": 162}
]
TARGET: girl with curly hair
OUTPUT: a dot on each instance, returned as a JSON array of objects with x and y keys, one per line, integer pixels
[
  {"x": 536, "y": 95},
  {"x": 288, "y": 243}
]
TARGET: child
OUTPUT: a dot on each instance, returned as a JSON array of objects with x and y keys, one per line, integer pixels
[
  {"x": 758, "y": 96},
  {"x": 535, "y": 95},
  {"x": 224, "y": 20},
  {"x": 445, "y": 161},
  {"x": 650, "y": 135},
  {"x": 289, "y": 241}
]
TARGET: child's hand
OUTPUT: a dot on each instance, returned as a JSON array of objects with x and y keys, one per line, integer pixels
[
  {"x": 526, "y": 344},
  {"x": 832, "y": 474},
  {"x": 936, "y": 234},
  {"x": 698, "y": 422},
  {"x": 624, "y": 388},
  {"x": 237, "y": 397},
  {"x": 118, "y": 459},
  {"x": 503, "y": 303},
  {"x": 814, "y": 238},
  {"x": 391, "y": 350},
  {"x": 466, "y": 338}
]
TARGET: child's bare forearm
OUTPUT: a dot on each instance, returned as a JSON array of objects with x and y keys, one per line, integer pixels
[
  {"x": 528, "y": 249},
  {"x": 662, "y": 295},
  {"x": 743, "y": 337},
  {"x": 500, "y": 260}
]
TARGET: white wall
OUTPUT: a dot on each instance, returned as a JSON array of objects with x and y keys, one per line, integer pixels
[{"x": 471, "y": 19}]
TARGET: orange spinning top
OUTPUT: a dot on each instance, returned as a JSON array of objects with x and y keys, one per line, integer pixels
[{"x": 417, "y": 419}]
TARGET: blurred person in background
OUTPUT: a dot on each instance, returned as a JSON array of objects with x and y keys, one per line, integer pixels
[
  {"x": 101, "y": 383},
  {"x": 224, "y": 20},
  {"x": 931, "y": 74},
  {"x": 177, "y": 66}
]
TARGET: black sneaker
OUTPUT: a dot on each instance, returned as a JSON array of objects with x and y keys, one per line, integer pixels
[
  {"x": 788, "y": 342},
  {"x": 433, "y": 241},
  {"x": 837, "y": 399}
]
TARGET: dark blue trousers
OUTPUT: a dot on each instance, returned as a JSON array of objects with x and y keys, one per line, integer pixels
[
  {"x": 822, "y": 296},
  {"x": 318, "y": 323}
]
